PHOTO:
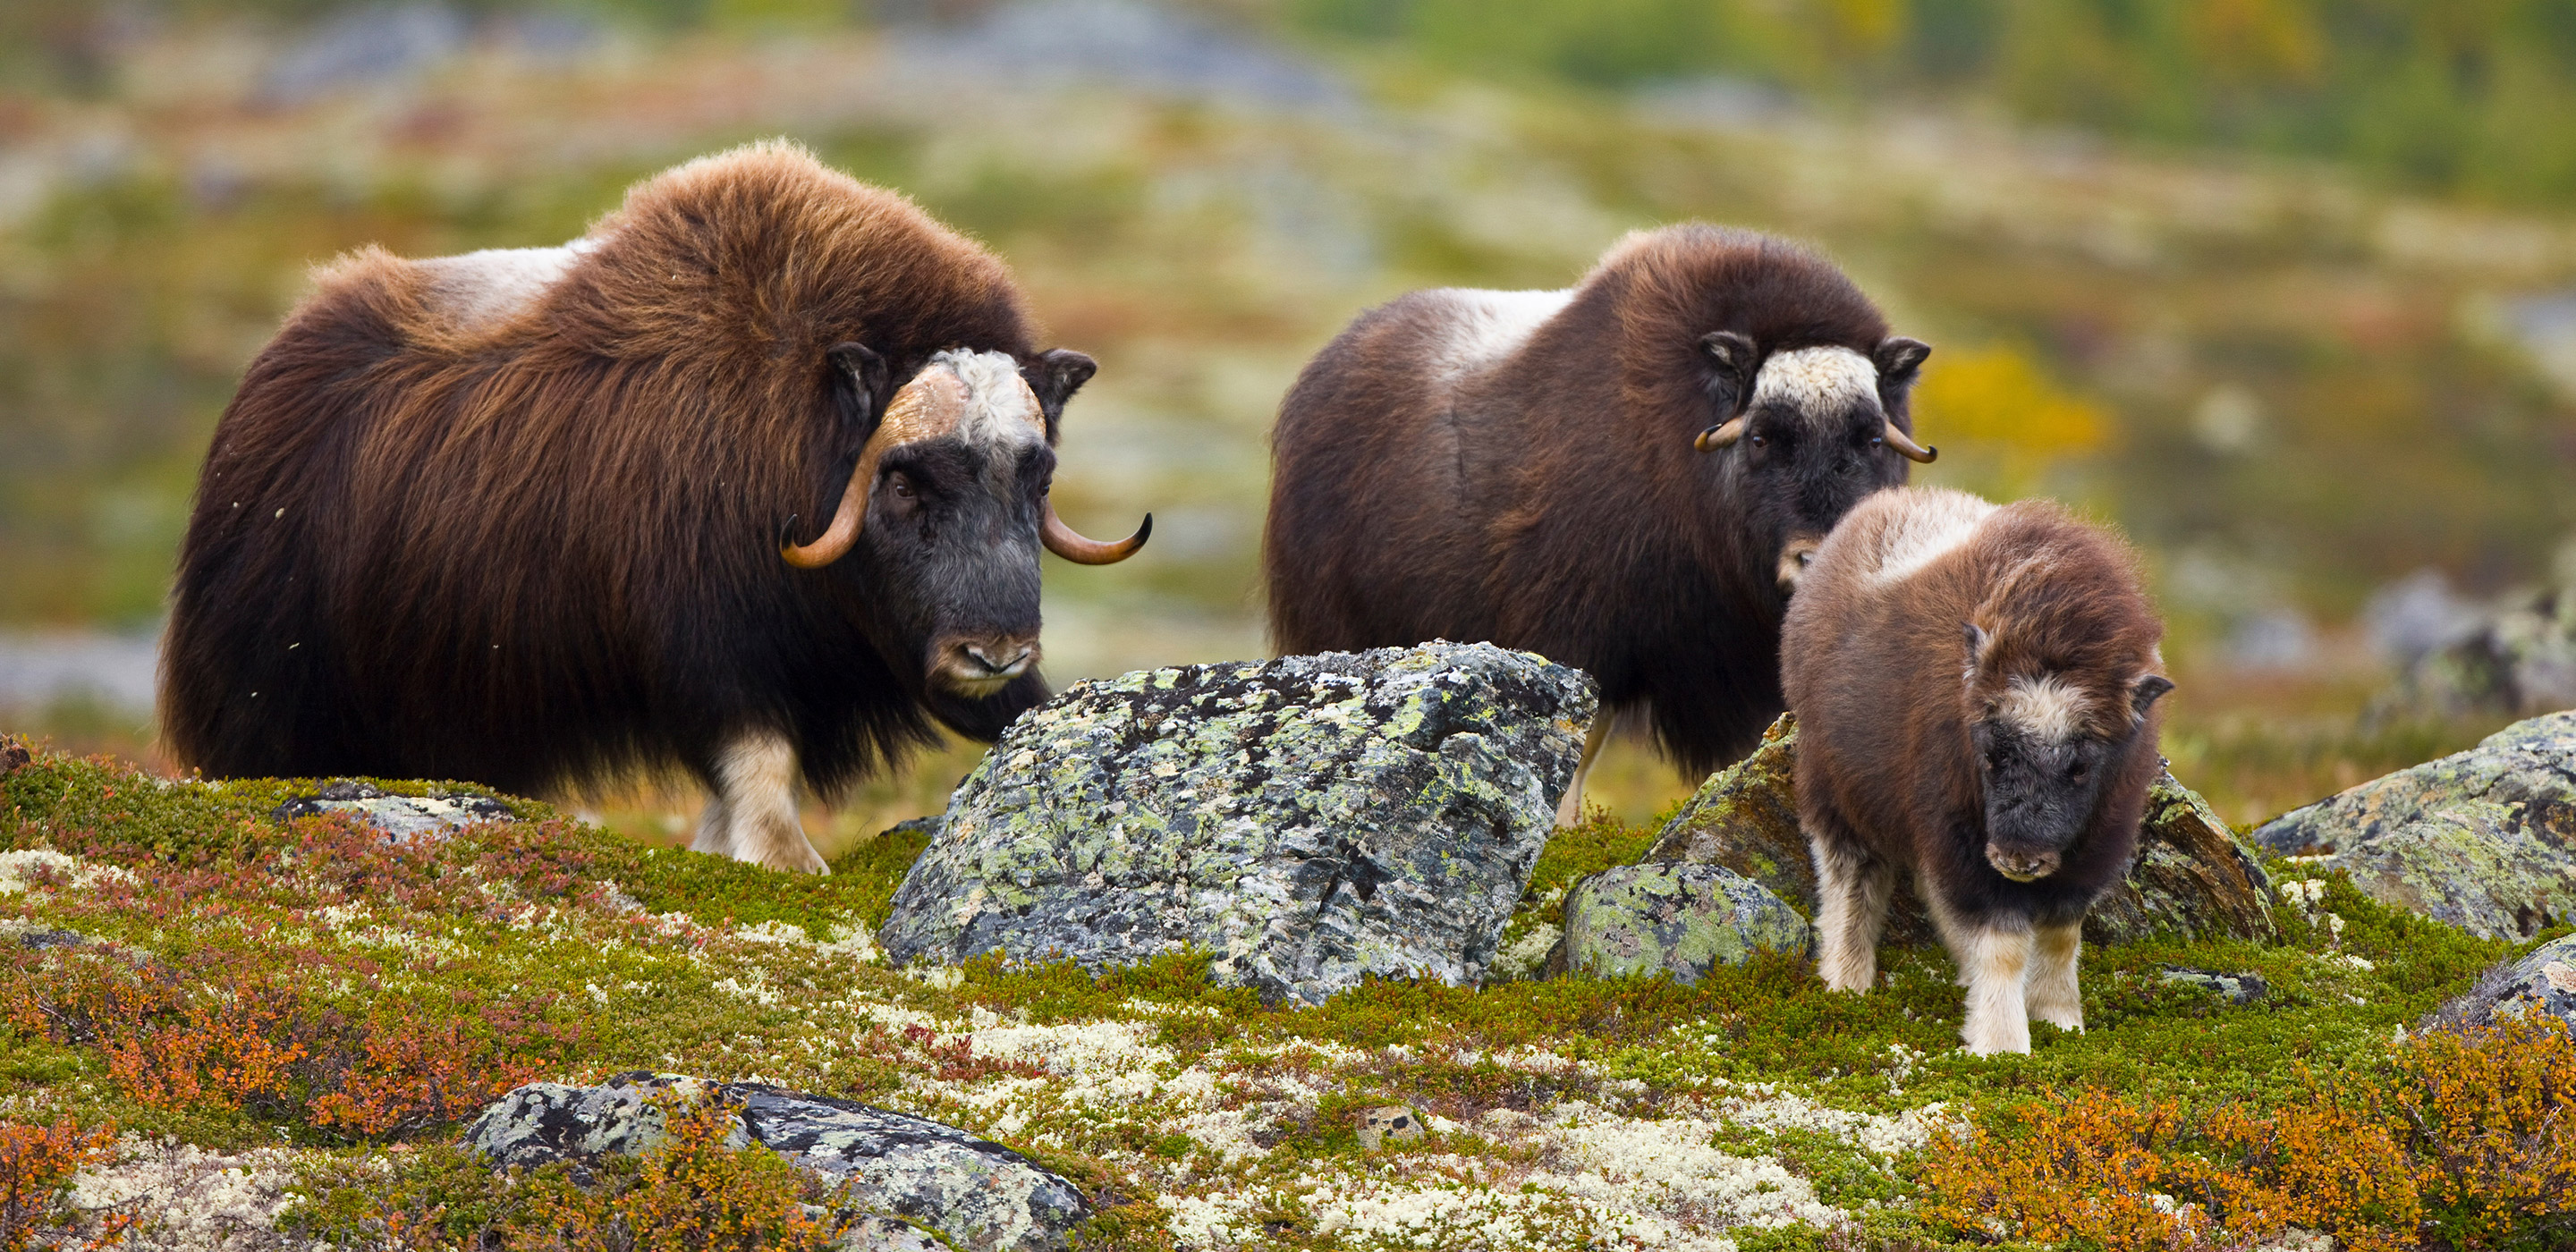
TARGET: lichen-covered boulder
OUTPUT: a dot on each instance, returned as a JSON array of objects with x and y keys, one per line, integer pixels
[
  {"x": 2542, "y": 980},
  {"x": 2484, "y": 840},
  {"x": 979, "y": 1194},
  {"x": 402, "y": 818},
  {"x": 2190, "y": 876},
  {"x": 1308, "y": 821},
  {"x": 1678, "y": 919}
]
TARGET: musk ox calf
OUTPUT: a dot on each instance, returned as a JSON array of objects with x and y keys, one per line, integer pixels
[
  {"x": 748, "y": 481},
  {"x": 1976, "y": 695},
  {"x": 1624, "y": 476}
]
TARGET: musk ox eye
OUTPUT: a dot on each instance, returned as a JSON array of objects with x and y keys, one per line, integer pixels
[
  {"x": 900, "y": 485},
  {"x": 1761, "y": 441}
]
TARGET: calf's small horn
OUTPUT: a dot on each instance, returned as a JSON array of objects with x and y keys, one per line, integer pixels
[
  {"x": 1065, "y": 542},
  {"x": 1716, "y": 437},
  {"x": 1913, "y": 451}
]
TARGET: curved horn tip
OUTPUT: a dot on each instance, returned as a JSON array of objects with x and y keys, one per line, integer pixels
[
  {"x": 1065, "y": 542},
  {"x": 1719, "y": 436}
]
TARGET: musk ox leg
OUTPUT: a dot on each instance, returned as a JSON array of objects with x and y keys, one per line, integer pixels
[
  {"x": 1852, "y": 889},
  {"x": 1994, "y": 956},
  {"x": 752, "y": 816},
  {"x": 2053, "y": 998},
  {"x": 1570, "y": 809}
]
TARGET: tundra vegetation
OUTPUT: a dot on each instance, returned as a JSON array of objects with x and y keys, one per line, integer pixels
[{"x": 315, "y": 1004}]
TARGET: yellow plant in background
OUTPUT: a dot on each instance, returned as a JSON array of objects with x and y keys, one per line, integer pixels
[{"x": 2002, "y": 418}]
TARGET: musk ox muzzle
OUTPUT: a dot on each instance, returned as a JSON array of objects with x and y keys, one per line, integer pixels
[
  {"x": 932, "y": 406},
  {"x": 2022, "y": 864}
]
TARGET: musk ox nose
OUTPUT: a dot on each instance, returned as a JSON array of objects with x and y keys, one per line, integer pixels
[
  {"x": 1794, "y": 559},
  {"x": 980, "y": 667},
  {"x": 2022, "y": 866}
]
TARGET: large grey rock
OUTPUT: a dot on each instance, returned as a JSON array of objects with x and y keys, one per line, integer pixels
[
  {"x": 2541, "y": 981},
  {"x": 1683, "y": 920},
  {"x": 979, "y": 1194},
  {"x": 2190, "y": 876},
  {"x": 1309, "y": 821},
  {"x": 2484, "y": 840}
]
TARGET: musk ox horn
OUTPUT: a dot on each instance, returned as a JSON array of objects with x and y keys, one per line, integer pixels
[
  {"x": 1716, "y": 437},
  {"x": 929, "y": 405},
  {"x": 1913, "y": 451},
  {"x": 1065, "y": 542}
]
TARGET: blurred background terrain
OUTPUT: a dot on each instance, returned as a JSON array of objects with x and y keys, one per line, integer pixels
[{"x": 2286, "y": 288}]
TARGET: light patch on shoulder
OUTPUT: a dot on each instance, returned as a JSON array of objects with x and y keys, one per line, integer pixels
[
  {"x": 1932, "y": 523},
  {"x": 478, "y": 289},
  {"x": 1816, "y": 379},
  {"x": 1487, "y": 326},
  {"x": 2047, "y": 708},
  {"x": 1001, "y": 412}
]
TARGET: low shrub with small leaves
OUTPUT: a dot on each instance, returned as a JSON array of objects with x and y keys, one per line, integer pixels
[{"x": 36, "y": 1165}]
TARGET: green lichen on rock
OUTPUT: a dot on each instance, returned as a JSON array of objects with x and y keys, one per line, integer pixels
[
  {"x": 2484, "y": 839},
  {"x": 1672, "y": 919},
  {"x": 2190, "y": 877},
  {"x": 1309, "y": 821}
]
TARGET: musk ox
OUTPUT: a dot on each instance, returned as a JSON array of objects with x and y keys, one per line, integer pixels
[
  {"x": 533, "y": 517},
  {"x": 1624, "y": 476},
  {"x": 1976, "y": 695}
]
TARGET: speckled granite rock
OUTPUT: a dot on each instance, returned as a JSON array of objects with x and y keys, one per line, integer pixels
[
  {"x": 981, "y": 1195},
  {"x": 2190, "y": 875},
  {"x": 1677, "y": 919},
  {"x": 1309, "y": 821},
  {"x": 400, "y": 817},
  {"x": 2543, "y": 980},
  {"x": 2484, "y": 840}
]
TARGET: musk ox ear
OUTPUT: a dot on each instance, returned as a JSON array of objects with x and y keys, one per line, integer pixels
[
  {"x": 2146, "y": 691},
  {"x": 1976, "y": 645},
  {"x": 1055, "y": 375},
  {"x": 1731, "y": 361},
  {"x": 865, "y": 374},
  {"x": 1897, "y": 357}
]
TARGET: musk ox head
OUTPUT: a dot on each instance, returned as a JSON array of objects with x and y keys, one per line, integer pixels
[
  {"x": 2046, "y": 740},
  {"x": 943, "y": 518},
  {"x": 1811, "y": 431}
]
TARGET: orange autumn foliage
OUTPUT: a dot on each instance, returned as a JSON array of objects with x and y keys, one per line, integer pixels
[
  {"x": 2466, "y": 1140},
  {"x": 691, "y": 1193},
  {"x": 36, "y": 1165}
]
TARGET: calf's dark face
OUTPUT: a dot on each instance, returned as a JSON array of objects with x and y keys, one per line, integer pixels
[
  {"x": 1813, "y": 440},
  {"x": 948, "y": 555},
  {"x": 2043, "y": 759}
]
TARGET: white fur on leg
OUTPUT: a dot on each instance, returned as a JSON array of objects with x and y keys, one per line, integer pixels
[
  {"x": 2053, "y": 997},
  {"x": 1851, "y": 907},
  {"x": 1993, "y": 963},
  {"x": 1569, "y": 810},
  {"x": 753, "y": 816}
]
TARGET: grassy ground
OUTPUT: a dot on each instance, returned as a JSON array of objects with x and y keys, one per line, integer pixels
[{"x": 251, "y": 985}]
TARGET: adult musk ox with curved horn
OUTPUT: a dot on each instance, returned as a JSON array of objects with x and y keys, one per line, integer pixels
[
  {"x": 750, "y": 480},
  {"x": 1625, "y": 476}
]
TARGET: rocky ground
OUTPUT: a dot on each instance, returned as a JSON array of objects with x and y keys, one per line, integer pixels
[{"x": 248, "y": 1016}]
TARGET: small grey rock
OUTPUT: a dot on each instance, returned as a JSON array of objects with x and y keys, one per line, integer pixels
[
  {"x": 402, "y": 818},
  {"x": 979, "y": 1194},
  {"x": 2484, "y": 840},
  {"x": 1310, "y": 821},
  {"x": 1679, "y": 919},
  {"x": 2542, "y": 980},
  {"x": 1393, "y": 1121},
  {"x": 2234, "y": 988}
]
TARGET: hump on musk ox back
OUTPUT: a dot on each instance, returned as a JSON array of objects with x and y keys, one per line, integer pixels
[
  {"x": 1520, "y": 467},
  {"x": 513, "y": 516}
]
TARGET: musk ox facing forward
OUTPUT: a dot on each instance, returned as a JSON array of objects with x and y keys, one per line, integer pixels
[
  {"x": 1976, "y": 695},
  {"x": 533, "y": 517},
  {"x": 1624, "y": 476}
]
